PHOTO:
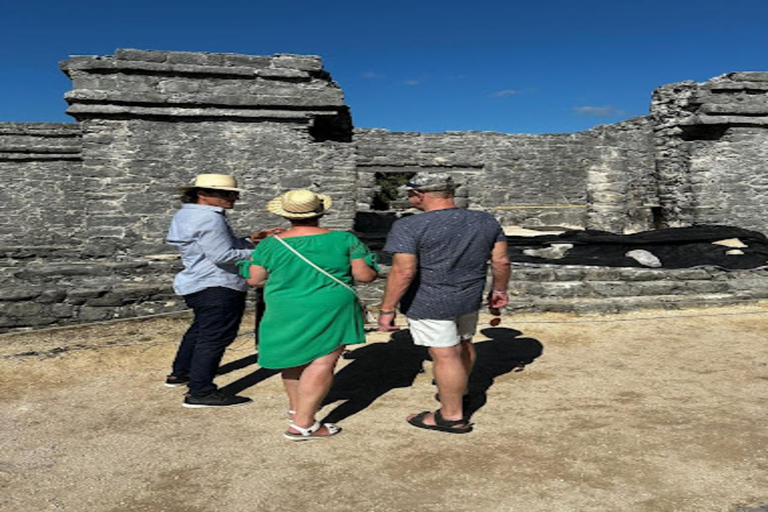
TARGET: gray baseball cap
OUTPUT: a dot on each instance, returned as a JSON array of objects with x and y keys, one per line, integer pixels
[{"x": 430, "y": 182}]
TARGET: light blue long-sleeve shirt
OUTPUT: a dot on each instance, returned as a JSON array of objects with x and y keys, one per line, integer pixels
[{"x": 209, "y": 249}]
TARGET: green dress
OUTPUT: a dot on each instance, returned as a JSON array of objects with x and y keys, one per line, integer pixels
[{"x": 308, "y": 315}]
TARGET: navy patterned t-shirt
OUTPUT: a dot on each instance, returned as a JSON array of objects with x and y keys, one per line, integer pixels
[{"x": 453, "y": 247}]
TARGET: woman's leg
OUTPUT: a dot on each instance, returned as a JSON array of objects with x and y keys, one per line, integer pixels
[
  {"x": 314, "y": 383},
  {"x": 291, "y": 378}
]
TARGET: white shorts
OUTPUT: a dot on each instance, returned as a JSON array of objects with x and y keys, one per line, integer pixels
[{"x": 443, "y": 333}]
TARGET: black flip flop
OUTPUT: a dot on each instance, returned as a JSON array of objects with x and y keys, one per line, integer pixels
[{"x": 441, "y": 424}]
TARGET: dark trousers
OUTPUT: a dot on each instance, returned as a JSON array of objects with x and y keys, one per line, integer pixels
[{"x": 218, "y": 312}]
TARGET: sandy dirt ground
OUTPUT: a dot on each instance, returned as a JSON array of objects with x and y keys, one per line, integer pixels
[{"x": 650, "y": 411}]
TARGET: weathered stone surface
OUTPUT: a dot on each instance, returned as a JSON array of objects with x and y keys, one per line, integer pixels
[{"x": 151, "y": 120}]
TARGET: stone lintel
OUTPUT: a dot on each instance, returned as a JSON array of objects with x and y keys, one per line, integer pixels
[
  {"x": 388, "y": 168},
  {"x": 71, "y": 130},
  {"x": 27, "y": 157},
  {"x": 310, "y": 63},
  {"x": 115, "y": 66},
  {"x": 189, "y": 63},
  {"x": 736, "y": 108},
  {"x": 728, "y": 86},
  {"x": 727, "y": 120},
  {"x": 751, "y": 76},
  {"x": 94, "y": 109},
  {"x": 37, "y": 149},
  {"x": 324, "y": 98}
]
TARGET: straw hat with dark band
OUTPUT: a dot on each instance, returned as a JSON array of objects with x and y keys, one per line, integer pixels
[
  {"x": 299, "y": 204},
  {"x": 214, "y": 182}
]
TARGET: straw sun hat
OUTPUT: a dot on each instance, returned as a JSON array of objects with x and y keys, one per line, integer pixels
[
  {"x": 299, "y": 204},
  {"x": 214, "y": 182}
]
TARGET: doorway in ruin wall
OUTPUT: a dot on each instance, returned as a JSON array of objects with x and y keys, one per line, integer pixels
[{"x": 380, "y": 203}]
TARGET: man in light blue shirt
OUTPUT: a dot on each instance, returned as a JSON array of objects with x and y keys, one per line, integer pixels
[{"x": 210, "y": 285}]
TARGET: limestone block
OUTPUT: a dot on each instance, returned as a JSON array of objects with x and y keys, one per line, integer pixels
[
  {"x": 644, "y": 257},
  {"x": 94, "y": 314},
  {"x": 18, "y": 294},
  {"x": 80, "y": 296},
  {"x": 731, "y": 242},
  {"x": 52, "y": 296},
  {"x": 553, "y": 252},
  {"x": 142, "y": 55},
  {"x": 302, "y": 62}
]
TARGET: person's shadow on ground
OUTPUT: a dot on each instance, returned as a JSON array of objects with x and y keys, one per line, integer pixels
[
  {"x": 380, "y": 367},
  {"x": 376, "y": 369},
  {"x": 505, "y": 351},
  {"x": 247, "y": 381}
]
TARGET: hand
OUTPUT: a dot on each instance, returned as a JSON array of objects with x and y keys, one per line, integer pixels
[
  {"x": 387, "y": 322},
  {"x": 264, "y": 233},
  {"x": 497, "y": 299}
]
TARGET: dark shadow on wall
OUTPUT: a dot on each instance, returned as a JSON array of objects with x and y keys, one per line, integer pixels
[{"x": 380, "y": 367}]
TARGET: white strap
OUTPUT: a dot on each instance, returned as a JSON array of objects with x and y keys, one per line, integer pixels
[
  {"x": 306, "y": 432},
  {"x": 297, "y": 253}
]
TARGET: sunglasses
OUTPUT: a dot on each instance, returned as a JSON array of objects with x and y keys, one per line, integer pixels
[{"x": 224, "y": 194}]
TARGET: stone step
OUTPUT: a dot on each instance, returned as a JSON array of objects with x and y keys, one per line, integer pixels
[
  {"x": 568, "y": 289},
  {"x": 582, "y": 305},
  {"x": 521, "y": 272}
]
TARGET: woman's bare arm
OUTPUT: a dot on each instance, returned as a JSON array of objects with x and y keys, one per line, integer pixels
[
  {"x": 258, "y": 276},
  {"x": 362, "y": 272}
]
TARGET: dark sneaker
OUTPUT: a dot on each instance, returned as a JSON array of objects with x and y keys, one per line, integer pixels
[
  {"x": 175, "y": 381},
  {"x": 215, "y": 399}
]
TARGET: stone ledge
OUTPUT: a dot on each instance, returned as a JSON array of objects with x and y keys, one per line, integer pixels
[
  {"x": 619, "y": 305},
  {"x": 756, "y": 76},
  {"x": 327, "y": 97},
  {"x": 41, "y": 129},
  {"x": 759, "y": 120},
  {"x": 729, "y": 86},
  {"x": 120, "y": 110},
  {"x": 27, "y": 157},
  {"x": 309, "y": 63},
  {"x": 110, "y": 65}
]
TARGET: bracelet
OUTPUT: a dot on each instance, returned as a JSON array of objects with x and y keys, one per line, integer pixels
[
  {"x": 499, "y": 292},
  {"x": 382, "y": 312}
]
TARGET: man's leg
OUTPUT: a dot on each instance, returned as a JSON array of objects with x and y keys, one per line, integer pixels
[
  {"x": 218, "y": 312},
  {"x": 450, "y": 359},
  {"x": 466, "y": 326},
  {"x": 451, "y": 377}
]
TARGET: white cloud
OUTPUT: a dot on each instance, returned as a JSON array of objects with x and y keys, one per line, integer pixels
[
  {"x": 371, "y": 75},
  {"x": 606, "y": 111},
  {"x": 413, "y": 81},
  {"x": 505, "y": 92}
]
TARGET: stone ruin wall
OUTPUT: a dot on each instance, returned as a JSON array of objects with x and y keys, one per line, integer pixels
[
  {"x": 599, "y": 179},
  {"x": 42, "y": 194},
  {"x": 711, "y": 144},
  {"x": 86, "y": 206}
]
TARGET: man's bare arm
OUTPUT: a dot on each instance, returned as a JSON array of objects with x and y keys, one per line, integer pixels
[
  {"x": 500, "y": 272},
  {"x": 401, "y": 275}
]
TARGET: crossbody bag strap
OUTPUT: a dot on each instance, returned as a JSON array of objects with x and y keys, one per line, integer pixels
[{"x": 297, "y": 253}]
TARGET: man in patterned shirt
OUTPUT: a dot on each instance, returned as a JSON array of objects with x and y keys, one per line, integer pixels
[{"x": 439, "y": 267}]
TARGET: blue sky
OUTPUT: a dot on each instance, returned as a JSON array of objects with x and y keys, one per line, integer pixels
[{"x": 430, "y": 66}]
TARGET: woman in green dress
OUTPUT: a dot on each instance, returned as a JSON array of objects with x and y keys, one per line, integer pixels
[{"x": 310, "y": 314}]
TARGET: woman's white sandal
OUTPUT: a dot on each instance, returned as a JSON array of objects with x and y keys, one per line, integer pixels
[{"x": 307, "y": 434}]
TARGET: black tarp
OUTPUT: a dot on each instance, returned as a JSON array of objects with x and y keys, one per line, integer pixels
[{"x": 675, "y": 247}]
